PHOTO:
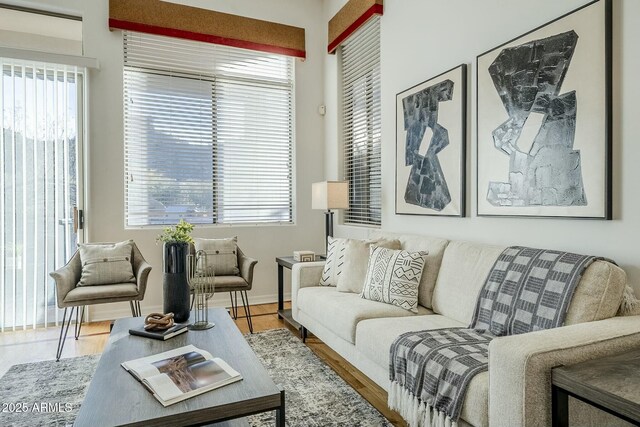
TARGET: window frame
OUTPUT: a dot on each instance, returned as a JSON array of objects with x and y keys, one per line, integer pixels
[{"x": 289, "y": 88}]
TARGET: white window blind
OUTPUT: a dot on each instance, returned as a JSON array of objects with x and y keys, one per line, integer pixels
[
  {"x": 360, "y": 66},
  {"x": 208, "y": 133}
]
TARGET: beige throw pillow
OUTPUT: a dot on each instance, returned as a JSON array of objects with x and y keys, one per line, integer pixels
[
  {"x": 106, "y": 263},
  {"x": 393, "y": 277},
  {"x": 356, "y": 258},
  {"x": 222, "y": 255}
]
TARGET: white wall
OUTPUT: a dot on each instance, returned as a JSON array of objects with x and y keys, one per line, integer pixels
[
  {"x": 421, "y": 39},
  {"x": 105, "y": 204}
]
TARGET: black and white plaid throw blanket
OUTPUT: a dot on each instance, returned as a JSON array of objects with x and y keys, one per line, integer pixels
[{"x": 526, "y": 290}]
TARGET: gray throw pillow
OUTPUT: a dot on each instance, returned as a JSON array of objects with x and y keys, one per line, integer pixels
[
  {"x": 106, "y": 263},
  {"x": 393, "y": 277},
  {"x": 222, "y": 255}
]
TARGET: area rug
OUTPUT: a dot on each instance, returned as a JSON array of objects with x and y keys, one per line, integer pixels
[
  {"x": 45, "y": 393},
  {"x": 315, "y": 394}
]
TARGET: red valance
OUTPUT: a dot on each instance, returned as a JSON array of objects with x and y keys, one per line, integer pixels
[
  {"x": 351, "y": 17},
  {"x": 176, "y": 20}
]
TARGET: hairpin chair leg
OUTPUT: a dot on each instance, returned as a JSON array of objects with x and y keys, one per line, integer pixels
[
  {"x": 234, "y": 305},
  {"x": 133, "y": 309},
  {"x": 247, "y": 310},
  {"x": 63, "y": 331},
  {"x": 79, "y": 321},
  {"x": 138, "y": 308}
]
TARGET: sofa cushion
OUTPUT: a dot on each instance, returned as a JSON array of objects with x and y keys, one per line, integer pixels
[
  {"x": 393, "y": 277},
  {"x": 375, "y": 336},
  {"x": 464, "y": 269},
  {"x": 356, "y": 260},
  {"x": 103, "y": 292},
  {"x": 598, "y": 295},
  {"x": 341, "y": 312},
  {"x": 414, "y": 243}
]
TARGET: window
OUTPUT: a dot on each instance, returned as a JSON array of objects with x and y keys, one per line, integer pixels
[
  {"x": 208, "y": 133},
  {"x": 360, "y": 63}
]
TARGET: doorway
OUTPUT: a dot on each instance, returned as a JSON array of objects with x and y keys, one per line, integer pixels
[{"x": 41, "y": 173}]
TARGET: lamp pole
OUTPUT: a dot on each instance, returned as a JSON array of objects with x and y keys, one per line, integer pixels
[{"x": 328, "y": 228}]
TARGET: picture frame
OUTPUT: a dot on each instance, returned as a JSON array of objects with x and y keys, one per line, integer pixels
[
  {"x": 431, "y": 139},
  {"x": 544, "y": 119}
]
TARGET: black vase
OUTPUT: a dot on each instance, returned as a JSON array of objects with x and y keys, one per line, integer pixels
[{"x": 174, "y": 281}]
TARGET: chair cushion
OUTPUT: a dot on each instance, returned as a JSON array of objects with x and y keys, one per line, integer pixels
[
  {"x": 106, "y": 263},
  {"x": 230, "y": 283},
  {"x": 356, "y": 260},
  {"x": 222, "y": 255},
  {"x": 340, "y": 312},
  {"x": 393, "y": 277},
  {"x": 104, "y": 292},
  {"x": 375, "y": 336}
]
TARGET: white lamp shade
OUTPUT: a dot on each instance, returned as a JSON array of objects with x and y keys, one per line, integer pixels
[{"x": 327, "y": 195}]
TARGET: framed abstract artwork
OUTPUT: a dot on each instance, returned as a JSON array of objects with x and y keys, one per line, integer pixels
[
  {"x": 544, "y": 120},
  {"x": 431, "y": 146}
]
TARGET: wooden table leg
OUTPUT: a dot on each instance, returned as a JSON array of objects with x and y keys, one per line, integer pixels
[
  {"x": 280, "y": 289},
  {"x": 559, "y": 407},
  {"x": 280, "y": 412}
]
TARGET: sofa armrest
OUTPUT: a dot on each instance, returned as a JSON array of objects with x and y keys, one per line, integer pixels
[
  {"x": 520, "y": 365},
  {"x": 304, "y": 275},
  {"x": 67, "y": 278}
]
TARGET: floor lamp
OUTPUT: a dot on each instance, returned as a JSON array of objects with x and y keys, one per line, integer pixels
[{"x": 327, "y": 195}]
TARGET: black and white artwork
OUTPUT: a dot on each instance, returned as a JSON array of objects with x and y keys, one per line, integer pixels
[
  {"x": 430, "y": 146},
  {"x": 542, "y": 111}
]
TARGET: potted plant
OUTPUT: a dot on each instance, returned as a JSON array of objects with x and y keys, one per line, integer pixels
[{"x": 175, "y": 286}]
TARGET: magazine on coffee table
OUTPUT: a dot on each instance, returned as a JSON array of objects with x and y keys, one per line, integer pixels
[{"x": 182, "y": 373}]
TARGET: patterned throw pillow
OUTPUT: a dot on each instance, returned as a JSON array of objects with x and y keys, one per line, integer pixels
[
  {"x": 222, "y": 255},
  {"x": 393, "y": 277},
  {"x": 335, "y": 261},
  {"x": 106, "y": 263}
]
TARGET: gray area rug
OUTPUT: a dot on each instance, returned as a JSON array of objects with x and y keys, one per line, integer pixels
[
  {"x": 50, "y": 386},
  {"x": 315, "y": 394}
]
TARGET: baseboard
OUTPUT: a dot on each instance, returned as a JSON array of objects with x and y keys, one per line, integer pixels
[{"x": 217, "y": 301}]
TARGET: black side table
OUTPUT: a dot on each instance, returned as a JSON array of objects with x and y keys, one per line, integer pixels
[
  {"x": 611, "y": 384},
  {"x": 287, "y": 262}
]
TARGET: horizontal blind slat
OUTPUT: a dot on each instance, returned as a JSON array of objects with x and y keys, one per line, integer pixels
[
  {"x": 361, "y": 129},
  {"x": 208, "y": 133}
]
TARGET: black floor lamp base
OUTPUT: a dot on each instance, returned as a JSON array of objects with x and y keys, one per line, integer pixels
[{"x": 328, "y": 228}]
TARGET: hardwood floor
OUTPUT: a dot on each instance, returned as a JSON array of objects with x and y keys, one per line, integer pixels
[{"x": 36, "y": 345}]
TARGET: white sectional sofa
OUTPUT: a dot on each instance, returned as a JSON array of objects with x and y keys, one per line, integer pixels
[{"x": 516, "y": 390}]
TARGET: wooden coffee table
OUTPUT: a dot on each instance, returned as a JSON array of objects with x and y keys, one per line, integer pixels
[{"x": 116, "y": 398}]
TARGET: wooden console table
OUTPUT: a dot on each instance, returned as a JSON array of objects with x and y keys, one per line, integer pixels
[{"x": 611, "y": 384}]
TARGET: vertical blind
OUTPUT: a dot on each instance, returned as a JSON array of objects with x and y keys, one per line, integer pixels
[
  {"x": 208, "y": 133},
  {"x": 360, "y": 72},
  {"x": 40, "y": 115}
]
